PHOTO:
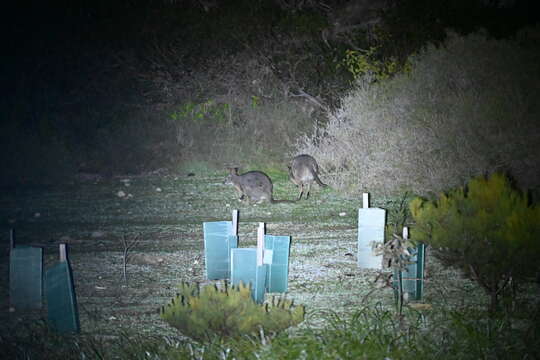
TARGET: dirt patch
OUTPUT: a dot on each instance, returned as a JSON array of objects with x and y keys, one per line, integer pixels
[{"x": 167, "y": 223}]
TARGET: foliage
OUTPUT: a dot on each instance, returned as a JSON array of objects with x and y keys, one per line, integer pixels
[
  {"x": 227, "y": 312},
  {"x": 305, "y": 22},
  {"x": 98, "y": 91},
  {"x": 236, "y": 132},
  {"x": 397, "y": 254},
  {"x": 488, "y": 230},
  {"x": 413, "y": 23},
  {"x": 466, "y": 108},
  {"x": 191, "y": 120},
  {"x": 207, "y": 111},
  {"x": 369, "y": 333},
  {"x": 362, "y": 63},
  {"x": 470, "y": 335}
]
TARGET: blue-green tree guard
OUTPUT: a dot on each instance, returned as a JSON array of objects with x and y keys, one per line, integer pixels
[
  {"x": 412, "y": 278},
  {"x": 244, "y": 269},
  {"x": 26, "y": 277},
  {"x": 371, "y": 227},
  {"x": 218, "y": 242},
  {"x": 278, "y": 269},
  {"x": 62, "y": 311}
]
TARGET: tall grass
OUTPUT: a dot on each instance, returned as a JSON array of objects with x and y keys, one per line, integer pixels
[
  {"x": 467, "y": 108},
  {"x": 370, "y": 333},
  {"x": 252, "y": 132}
]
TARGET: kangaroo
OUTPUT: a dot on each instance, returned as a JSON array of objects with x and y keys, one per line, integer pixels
[
  {"x": 303, "y": 172},
  {"x": 256, "y": 185}
]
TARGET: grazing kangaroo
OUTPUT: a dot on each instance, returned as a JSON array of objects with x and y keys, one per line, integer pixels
[
  {"x": 303, "y": 172},
  {"x": 256, "y": 185}
]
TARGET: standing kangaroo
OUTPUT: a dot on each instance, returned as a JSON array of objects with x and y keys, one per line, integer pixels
[
  {"x": 256, "y": 185},
  {"x": 303, "y": 172}
]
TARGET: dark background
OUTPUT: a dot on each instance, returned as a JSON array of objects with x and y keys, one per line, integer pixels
[{"x": 86, "y": 85}]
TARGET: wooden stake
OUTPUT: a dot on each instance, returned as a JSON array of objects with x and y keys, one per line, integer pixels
[
  {"x": 365, "y": 200},
  {"x": 235, "y": 222},
  {"x": 63, "y": 253},
  {"x": 260, "y": 244},
  {"x": 11, "y": 238}
]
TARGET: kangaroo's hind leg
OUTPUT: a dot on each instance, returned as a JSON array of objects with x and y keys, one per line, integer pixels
[
  {"x": 308, "y": 190},
  {"x": 301, "y": 186}
]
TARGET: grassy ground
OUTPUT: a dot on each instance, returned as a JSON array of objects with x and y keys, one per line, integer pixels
[{"x": 164, "y": 214}]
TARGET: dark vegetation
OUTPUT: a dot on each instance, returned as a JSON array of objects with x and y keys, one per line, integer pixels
[
  {"x": 488, "y": 230},
  {"x": 129, "y": 87},
  {"x": 397, "y": 98},
  {"x": 464, "y": 108},
  {"x": 227, "y": 312}
]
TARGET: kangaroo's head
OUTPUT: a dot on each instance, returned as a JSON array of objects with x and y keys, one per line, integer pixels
[{"x": 229, "y": 179}]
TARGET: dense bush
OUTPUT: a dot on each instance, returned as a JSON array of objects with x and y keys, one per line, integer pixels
[
  {"x": 370, "y": 333},
  {"x": 466, "y": 108},
  {"x": 99, "y": 97},
  {"x": 228, "y": 312},
  {"x": 98, "y": 87},
  {"x": 249, "y": 131},
  {"x": 488, "y": 230}
]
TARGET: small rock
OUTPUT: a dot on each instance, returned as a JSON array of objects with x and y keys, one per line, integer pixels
[
  {"x": 146, "y": 259},
  {"x": 227, "y": 205},
  {"x": 97, "y": 234},
  {"x": 36, "y": 215},
  {"x": 11, "y": 309},
  {"x": 121, "y": 194},
  {"x": 112, "y": 318},
  {"x": 342, "y": 214},
  {"x": 158, "y": 189},
  {"x": 65, "y": 238},
  {"x": 420, "y": 306},
  {"x": 88, "y": 177}
]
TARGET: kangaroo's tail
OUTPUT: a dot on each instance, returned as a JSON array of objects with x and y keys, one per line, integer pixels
[{"x": 319, "y": 181}]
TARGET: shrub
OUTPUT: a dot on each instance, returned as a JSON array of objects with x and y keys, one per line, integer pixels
[
  {"x": 193, "y": 120},
  {"x": 465, "y": 109},
  {"x": 359, "y": 63},
  {"x": 488, "y": 230},
  {"x": 241, "y": 133},
  {"x": 227, "y": 312}
]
